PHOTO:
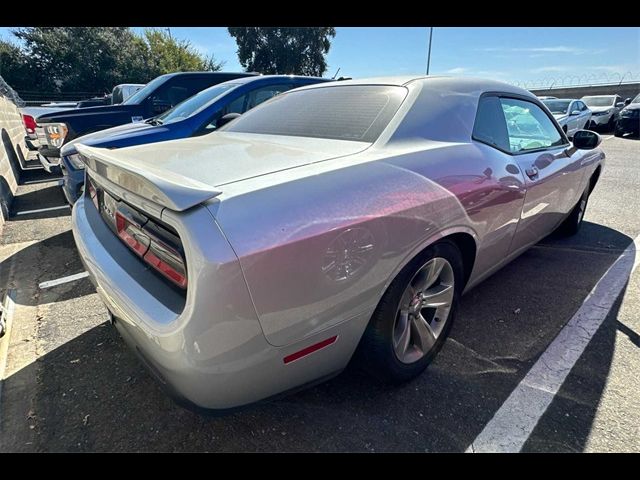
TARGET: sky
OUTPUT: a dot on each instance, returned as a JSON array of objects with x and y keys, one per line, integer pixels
[{"x": 528, "y": 56}]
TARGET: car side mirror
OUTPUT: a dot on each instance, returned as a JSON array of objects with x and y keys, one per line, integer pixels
[
  {"x": 575, "y": 112},
  {"x": 620, "y": 105},
  {"x": 627, "y": 101},
  {"x": 226, "y": 119},
  {"x": 586, "y": 140}
]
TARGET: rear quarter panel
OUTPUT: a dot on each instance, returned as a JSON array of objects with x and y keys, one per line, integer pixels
[{"x": 319, "y": 246}]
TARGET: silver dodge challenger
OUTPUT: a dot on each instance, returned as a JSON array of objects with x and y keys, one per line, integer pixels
[{"x": 334, "y": 222}]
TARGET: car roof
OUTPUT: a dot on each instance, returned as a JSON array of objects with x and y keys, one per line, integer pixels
[
  {"x": 174, "y": 74},
  {"x": 440, "y": 82},
  {"x": 268, "y": 78},
  {"x": 563, "y": 99}
]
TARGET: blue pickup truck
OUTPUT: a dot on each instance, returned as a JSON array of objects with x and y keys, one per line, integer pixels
[
  {"x": 159, "y": 95},
  {"x": 201, "y": 114}
]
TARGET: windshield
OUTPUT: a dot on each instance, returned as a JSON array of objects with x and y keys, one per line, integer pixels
[
  {"x": 195, "y": 104},
  {"x": 143, "y": 93},
  {"x": 636, "y": 99},
  {"x": 557, "y": 106},
  {"x": 357, "y": 112},
  {"x": 599, "y": 101}
]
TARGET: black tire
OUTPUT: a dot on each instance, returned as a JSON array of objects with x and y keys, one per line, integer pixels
[
  {"x": 375, "y": 353},
  {"x": 571, "y": 225},
  {"x": 611, "y": 126},
  {"x": 618, "y": 132}
]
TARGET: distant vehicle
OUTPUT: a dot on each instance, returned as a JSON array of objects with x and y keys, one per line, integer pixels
[
  {"x": 123, "y": 91},
  {"x": 198, "y": 115},
  {"x": 571, "y": 114},
  {"x": 547, "y": 98},
  {"x": 158, "y": 96},
  {"x": 629, "y": 118},
  {"x": 604, "y": 110}
]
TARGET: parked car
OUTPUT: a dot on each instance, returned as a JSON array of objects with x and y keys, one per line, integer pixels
[
  {"x": 197, "y": 115},
  {"x": 604, "y": 110},
  {"x": 338, "y": 220},
  {"x": 629, "y": 118},
  {"x": 572, "y": 115},
  {"x": 547, "y": 97},
  {"x": 29, "y": 115},
  {"x": 158, "y": 96}
]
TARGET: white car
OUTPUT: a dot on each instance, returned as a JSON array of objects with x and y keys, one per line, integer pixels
[
  {"x": 571, "y": 114},
  {"x": 604, "y": 109},
  {"x": 547, "y": 98}
]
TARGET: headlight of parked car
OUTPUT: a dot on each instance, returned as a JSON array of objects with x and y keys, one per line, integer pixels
[
  {"x": 55, "y": 133},
  {"x": 76, "y": 161}
]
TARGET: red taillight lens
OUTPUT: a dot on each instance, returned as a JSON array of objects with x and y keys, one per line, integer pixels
[
  {"x": 168, "y": 262},
  {"x": 93, "y": 193},
  {"x": 29, "y": 123},
  {"x": 132, "y": 234},
  {"x": 144, "y": 240}
]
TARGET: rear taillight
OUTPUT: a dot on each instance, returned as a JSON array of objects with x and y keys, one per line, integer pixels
[
  {"x": 145, "y": 239},
  {"x": 132, "y": 234},
  {"x": 29, "y": 123},
  {"x": 93, "y": 193}
]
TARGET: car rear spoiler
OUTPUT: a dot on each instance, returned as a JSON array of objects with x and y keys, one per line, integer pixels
[{"x": 166, "y": 188}]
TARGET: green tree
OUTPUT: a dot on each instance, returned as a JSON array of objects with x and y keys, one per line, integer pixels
[
  {"x": 283, "y": 50},
  {"x": 13, "y": 67},
  {"x": 166, "y": 54},
  {"x": 94, "y": 59}
]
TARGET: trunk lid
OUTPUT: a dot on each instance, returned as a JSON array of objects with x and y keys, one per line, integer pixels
[{"x": 179, "y": 174}]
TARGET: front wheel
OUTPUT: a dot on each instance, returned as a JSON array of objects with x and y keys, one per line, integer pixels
[
  {"x": 573, "y": 222},
  {"x": 414, "y": 316}
]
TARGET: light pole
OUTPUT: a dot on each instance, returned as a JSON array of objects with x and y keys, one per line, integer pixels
[{"x": 429, "y": 54}]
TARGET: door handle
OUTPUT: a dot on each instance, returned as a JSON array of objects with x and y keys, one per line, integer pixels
[{"x": 532, "y": 172}]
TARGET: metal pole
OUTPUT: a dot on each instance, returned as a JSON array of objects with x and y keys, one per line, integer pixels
[
  {"x": 429, "y": 54},
  {"x": 169, "y": 32}
]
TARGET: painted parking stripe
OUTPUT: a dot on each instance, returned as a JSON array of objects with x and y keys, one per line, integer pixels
[
  {"x": 60, "y": 281},
  {"x": 59, "y": 182},
  {"x": 514, "y": 421},
  {"x": 48, "y": 209},
  {"x": 607, "y": 138}
]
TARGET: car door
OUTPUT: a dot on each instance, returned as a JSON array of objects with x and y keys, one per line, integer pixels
[
  {"x": 553, "y": 173},
  {"x": 573, "y": 118}
]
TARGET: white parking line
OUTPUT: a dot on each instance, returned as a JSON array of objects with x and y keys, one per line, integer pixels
[
  {"x": 514, "y": 421},
  {"x": 48, "y": 209},
  {"x": 59, "y": 182},
  {"x": 607, "y": 138},
  {"x": 60, "y": 281}
]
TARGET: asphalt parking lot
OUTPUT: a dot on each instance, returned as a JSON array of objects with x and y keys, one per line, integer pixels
[{"x": 70, "y": 384}]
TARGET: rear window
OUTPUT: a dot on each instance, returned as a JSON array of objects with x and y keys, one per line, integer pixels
[{"x": 358, "y": 113}]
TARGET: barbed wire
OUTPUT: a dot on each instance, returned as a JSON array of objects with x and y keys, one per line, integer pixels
[
  {"x": 8, "y": 92},
  {"x": 580, "y": 80}
]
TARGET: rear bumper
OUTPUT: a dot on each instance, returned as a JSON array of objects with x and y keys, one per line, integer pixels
[{"x": 212, "y": 355}]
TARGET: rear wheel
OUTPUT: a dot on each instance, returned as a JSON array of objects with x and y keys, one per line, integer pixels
[
  {"x": 573, "y": 222},
  {"x": 414, "y": 315}
]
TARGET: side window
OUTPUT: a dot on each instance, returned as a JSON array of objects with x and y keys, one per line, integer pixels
[
  {"x": 490, "y": 126},
  {"x": 263, "y": 94},
  {"x": 248, "y": 101},
  {"x": 528, "y": 126}
]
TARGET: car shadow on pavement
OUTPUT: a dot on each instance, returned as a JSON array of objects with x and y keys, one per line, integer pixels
[
  {"x": 48, "y": 259},
  {"x": 94, "y": 395}
]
